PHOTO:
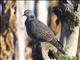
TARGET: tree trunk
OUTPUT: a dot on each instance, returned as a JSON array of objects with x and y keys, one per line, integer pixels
[
  {"x": 21, "y": 31},
  {"x": 70, "y": 40}
]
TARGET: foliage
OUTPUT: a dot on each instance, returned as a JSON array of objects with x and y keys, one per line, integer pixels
[{"x": 62, "y": 57}]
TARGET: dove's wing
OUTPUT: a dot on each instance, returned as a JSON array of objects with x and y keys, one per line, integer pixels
[{"x": 41, "y": 31}]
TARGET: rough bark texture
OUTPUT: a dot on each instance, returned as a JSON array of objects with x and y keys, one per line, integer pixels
[
  {"x": 70, "y": 40},
  {"x": 7, "y": 34}
]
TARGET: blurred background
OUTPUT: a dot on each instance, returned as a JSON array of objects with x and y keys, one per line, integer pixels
[
  {"x": 7, "y": 30},
  {"x": 14, "y": 42}
]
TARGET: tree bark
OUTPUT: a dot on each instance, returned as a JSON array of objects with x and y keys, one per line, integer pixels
[{"x": 70, "y": 40}]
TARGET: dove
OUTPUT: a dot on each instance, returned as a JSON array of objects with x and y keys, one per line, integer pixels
[{"x": 39, "y": 31}]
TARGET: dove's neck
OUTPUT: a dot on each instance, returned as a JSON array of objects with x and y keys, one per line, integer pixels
[{"x": 31, "y": 17}]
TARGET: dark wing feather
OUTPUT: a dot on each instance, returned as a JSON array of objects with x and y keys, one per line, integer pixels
[{"x": 41, "y": 31}]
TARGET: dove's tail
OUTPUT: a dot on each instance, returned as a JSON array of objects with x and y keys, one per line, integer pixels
[{"x": 58, "y": 45}]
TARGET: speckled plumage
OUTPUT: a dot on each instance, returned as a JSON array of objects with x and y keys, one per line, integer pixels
[{"x": 39, "y": 31}]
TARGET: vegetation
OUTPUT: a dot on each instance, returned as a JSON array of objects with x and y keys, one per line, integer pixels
[{"x": 62, "y": 57}]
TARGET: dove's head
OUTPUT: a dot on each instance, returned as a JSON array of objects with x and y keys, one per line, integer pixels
[{"x": 28, "y": 13}]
